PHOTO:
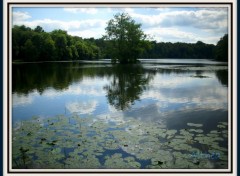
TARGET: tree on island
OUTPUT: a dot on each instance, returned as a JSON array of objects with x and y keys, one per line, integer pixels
[{"x": 126, "y": 39}]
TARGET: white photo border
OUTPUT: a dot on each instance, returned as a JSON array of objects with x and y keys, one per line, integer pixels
[{"x": 232, "y": 93}]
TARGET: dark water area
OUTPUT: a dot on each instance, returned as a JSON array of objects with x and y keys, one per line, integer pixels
[{"x": 176, "y": 94}]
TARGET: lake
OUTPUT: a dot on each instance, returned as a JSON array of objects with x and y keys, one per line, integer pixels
[{"x": 163, "y": 113}]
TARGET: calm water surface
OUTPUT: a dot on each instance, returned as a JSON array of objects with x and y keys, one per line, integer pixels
[
  {"x": 170, "y": 92},
  {"x": 146, "y": 92}
]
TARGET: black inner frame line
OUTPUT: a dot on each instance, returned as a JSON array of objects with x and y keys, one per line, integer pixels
[{"x": 117, "y": 3}]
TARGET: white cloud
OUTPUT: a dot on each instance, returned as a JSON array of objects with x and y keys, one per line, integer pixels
[
  {"x": 82, "y": 107},
  {"x": 118, "y": 10},
  {"x": 116, "y": 117},
  {"x": 203, "y": 97},
  {"x": 215, "y": 101},
  {"x": 20, "y": 16},
  {"x": 202, "y": 18},
  {"x": 128, "y": 10},
  {"x": 87, "y": 87},
  {"x": 109, "y": 10},
  {"x": 65, "y": 25},
  {"x": 84, "y": 28},
  {"x": 172, "y": 34},
  {"x": 112, "y": 109},
  {"x": 187, "y": 90},
  {"x": 184, "y": 25},
  {"x": 23, "y": 100},
  {"x": 163, "y": 9},
  {"x": 96, "y": 33},
  {"x": 75, "y": 90},
  {"x": 91, "y": 11}
]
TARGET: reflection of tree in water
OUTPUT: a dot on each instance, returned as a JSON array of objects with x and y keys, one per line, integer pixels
[
  {"x": 29, "y": 77},
  {"x": 39, "y": 77},
  {"x": 222, "y": 76},
  {"x": 129, "y": 81}
]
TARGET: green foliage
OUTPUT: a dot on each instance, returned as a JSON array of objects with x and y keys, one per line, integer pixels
[
  {"x": 29, "y": 50},
  {"x": 221, "y": 51},
  {"x": 153, "y": 49},
  {"x": 36, "y": 45},
  {"x": 124, "y": 42},
  {"x": 126, "y": 39},
  {"x": 38, "y": 29},
  {"x": 197, "y": 50},
  {"x": 133, "y": 144}
]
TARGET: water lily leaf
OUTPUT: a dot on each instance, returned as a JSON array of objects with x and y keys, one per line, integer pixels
[
  {"x": 194, "y": 125},
  {"x": 223, "y": 123},
  {"x": 196, "y": 130},
  {"x": 221, "y": 126}
]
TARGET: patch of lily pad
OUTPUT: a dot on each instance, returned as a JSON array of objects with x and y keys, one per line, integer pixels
[
  {"x": 117, "y": 161},
  {"x": 85, "y": 143}
]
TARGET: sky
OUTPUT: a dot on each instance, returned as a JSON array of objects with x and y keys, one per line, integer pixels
[{"x": 174, "y": 24}]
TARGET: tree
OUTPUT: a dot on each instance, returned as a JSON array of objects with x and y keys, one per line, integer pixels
[
  {"x": 30, "y": 51},
  {"x": 38, "y": 29},
  {"x": 127, "y": 40},
  {"x": 37, "y": 45},
  {"x": 60, "y": 39},
  {"x": 48, "y": 51},
  {"x": 222, "y": 49}
]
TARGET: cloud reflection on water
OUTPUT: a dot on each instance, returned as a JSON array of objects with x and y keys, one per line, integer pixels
[
  {"x": 22, "y": 100},
  {"x": 204, "y": 93},
  {"x": 82, "y": 107}
]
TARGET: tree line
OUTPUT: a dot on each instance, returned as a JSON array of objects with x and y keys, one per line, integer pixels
[
  {"x": 124, "y": 42},
  {"x": 156, "y": 50},
  {"x": 37, "y": 45}
]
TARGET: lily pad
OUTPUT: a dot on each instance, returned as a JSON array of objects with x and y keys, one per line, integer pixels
[{"x": 194, "y": 125}]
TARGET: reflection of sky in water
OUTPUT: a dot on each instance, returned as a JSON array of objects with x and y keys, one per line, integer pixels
[
  {"x": 168, "y": 94},
  {"x": 185, "y": 92},
  {"x": 79, "y": 98},
  {"x": 82, "y": 107}
]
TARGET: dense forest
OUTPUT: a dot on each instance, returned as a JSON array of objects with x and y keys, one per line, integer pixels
[
  {"x": 30, "y": 45},
  {"x": 38, "y": 45}
]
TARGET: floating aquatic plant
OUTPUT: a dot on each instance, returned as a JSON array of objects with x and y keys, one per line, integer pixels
[
  {"x": 75, "y": 143},
  {"x": 196, "y": 130},
  {"x": 194, "y": 125},
  {"x": 117, "y": 161}
]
